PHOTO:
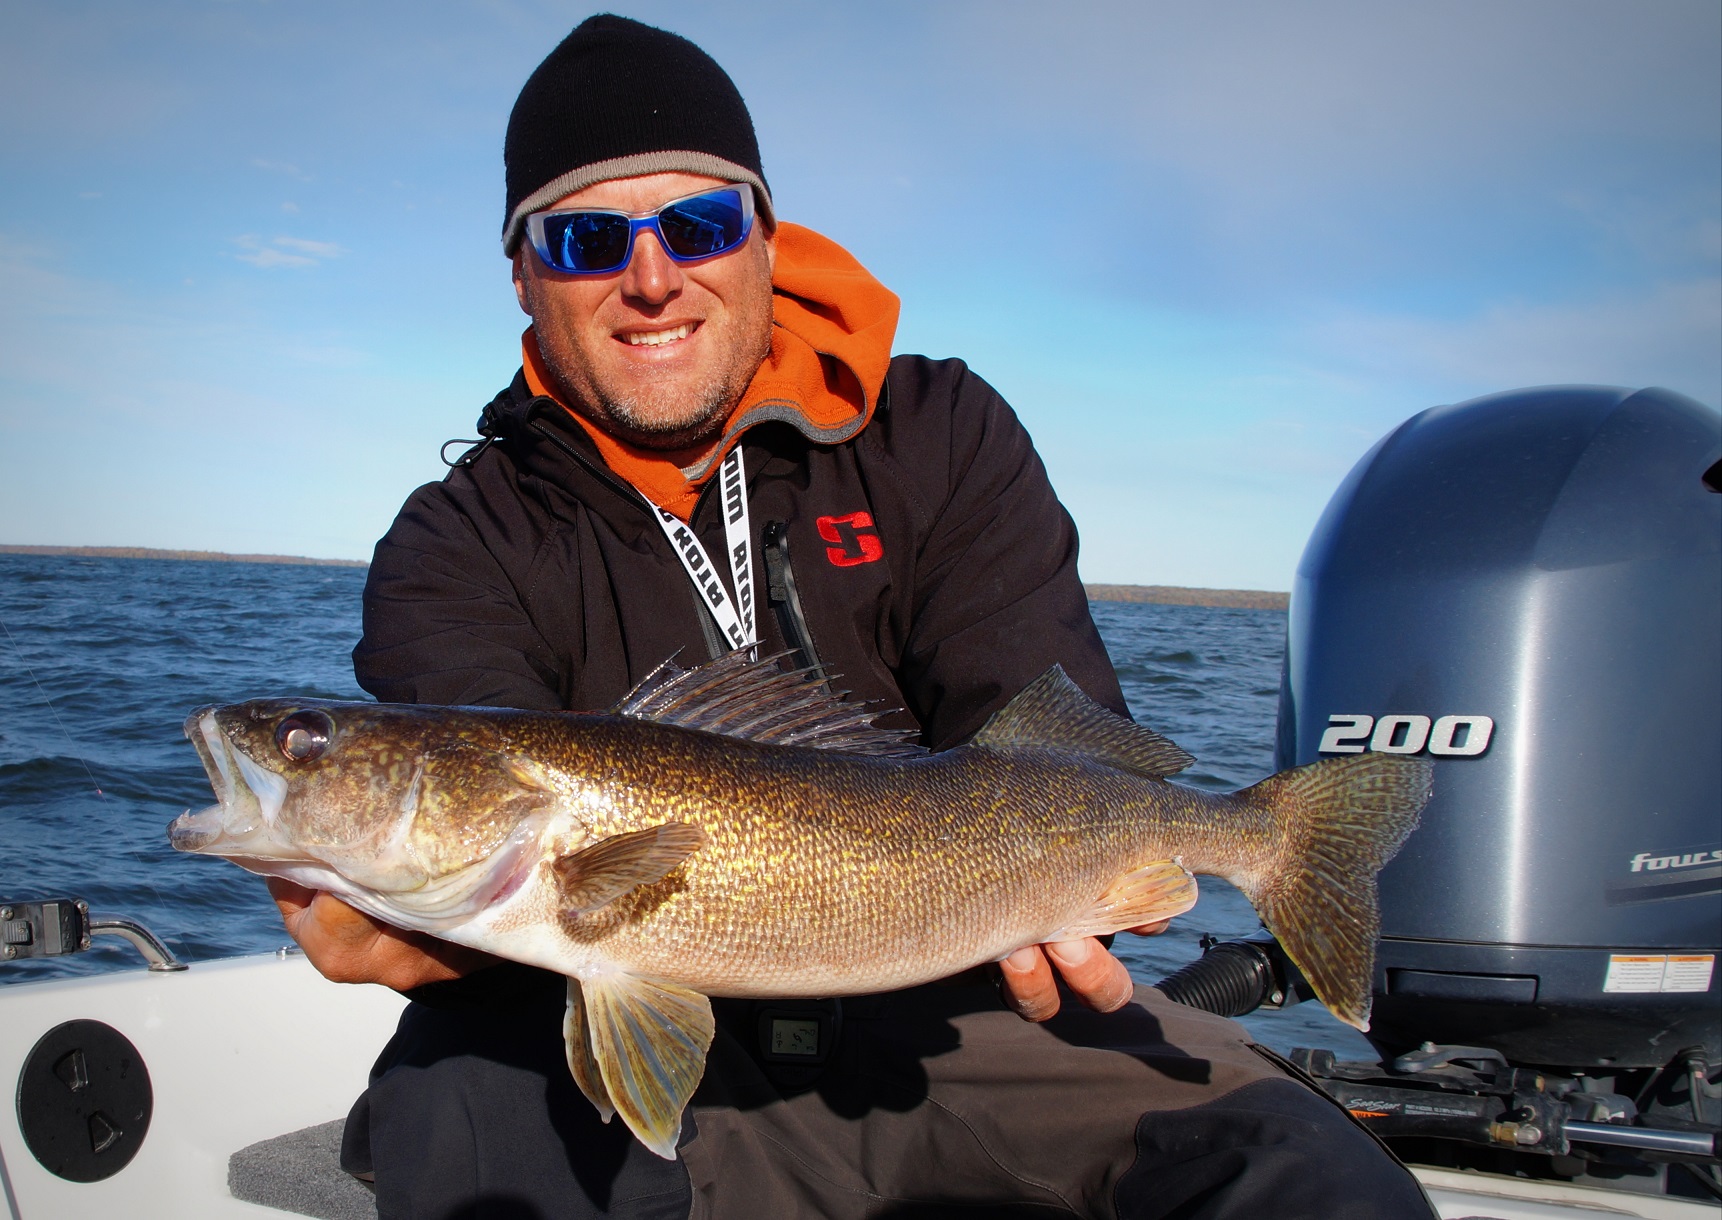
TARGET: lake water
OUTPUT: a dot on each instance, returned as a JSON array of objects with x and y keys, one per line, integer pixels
[{"x": 101, "y": 660}]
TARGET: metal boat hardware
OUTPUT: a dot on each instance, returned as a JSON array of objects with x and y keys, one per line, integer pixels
[{"x": 56, "y": 927}]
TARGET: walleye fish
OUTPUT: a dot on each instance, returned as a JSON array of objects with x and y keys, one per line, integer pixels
[{"x": 737, "y": 830}]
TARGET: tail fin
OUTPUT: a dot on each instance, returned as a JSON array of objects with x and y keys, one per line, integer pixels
[{"x": 1340, "y": 821}]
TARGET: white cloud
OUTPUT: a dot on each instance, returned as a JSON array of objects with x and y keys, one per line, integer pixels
[
  {"x": 280, "y": 167},
  {"x": 315, "y": 249},
  {"x": 284, "y": 251}
]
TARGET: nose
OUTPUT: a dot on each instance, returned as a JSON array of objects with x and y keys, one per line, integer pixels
[{"x": 652, "y": 276}]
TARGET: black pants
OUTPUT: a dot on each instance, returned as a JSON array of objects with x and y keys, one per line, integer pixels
[{"x": 938, "y": 1102}]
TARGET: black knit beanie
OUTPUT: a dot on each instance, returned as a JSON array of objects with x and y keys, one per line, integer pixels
[{"x": 617, "y": 99}]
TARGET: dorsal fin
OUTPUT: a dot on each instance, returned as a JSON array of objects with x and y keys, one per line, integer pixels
[
  {"x": 761, "y": 701},
  {"x": 1053, "y": 713}
]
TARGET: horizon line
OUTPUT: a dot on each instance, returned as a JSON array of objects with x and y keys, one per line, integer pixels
[{"x": 1160, "y": 595}]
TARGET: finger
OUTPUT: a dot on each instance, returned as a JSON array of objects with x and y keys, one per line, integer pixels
[
  {"x": 290, "y": 896},
  {"x": 339, "y": 941},
  {"x": 1027, "y": 986},
  {"x": 425, "y": 959},
  {"x": 340, "y": 922},
  {"x": 1098, "y": 979},
  {"x": 1151, "y": 929},
  {"x": 349, "y": 946}
]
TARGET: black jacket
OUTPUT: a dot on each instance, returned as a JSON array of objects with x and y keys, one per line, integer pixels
[{"x": 533, "y": 577}]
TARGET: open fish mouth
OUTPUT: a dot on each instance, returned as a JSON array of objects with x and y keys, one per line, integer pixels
[{"x": 249, "y": 798}]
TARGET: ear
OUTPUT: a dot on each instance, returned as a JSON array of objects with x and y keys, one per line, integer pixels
[{"x": 520, "y": 294}]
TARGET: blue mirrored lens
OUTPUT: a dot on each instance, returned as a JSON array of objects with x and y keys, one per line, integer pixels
[
  {"x": 586, "y": 241},
  {"x": 703, "y": 226}
]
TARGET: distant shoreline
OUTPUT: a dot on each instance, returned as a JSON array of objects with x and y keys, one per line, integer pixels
[
  {"x": 1160, "y": 595},
  {"x": 148, "y": 552},
  {"x": 1175, "y": 595}
]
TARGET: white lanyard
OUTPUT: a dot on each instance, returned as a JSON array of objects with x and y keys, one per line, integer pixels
[{"x": 740, "y": 629}]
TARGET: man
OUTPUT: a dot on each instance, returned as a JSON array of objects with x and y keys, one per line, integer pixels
[{"x": 698, "y": 381}]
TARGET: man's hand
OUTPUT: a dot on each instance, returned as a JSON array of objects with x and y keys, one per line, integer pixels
[
  {"x": 348, "y": 946},
  {"x": 1098, "y": 979}
]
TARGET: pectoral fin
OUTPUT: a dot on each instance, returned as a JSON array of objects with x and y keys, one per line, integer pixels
[
  {"x": 1145, "y": 895},
  {"x": 604, "y": 871},
  {"x": 649, "y": 1042},
  {"x": 577, "y": 1045}
]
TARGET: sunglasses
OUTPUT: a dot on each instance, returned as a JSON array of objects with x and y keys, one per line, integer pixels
[{"x": 594, "y": 242}]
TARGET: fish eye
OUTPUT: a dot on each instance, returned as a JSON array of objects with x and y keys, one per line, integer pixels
[{"x": 304, "y": 735}]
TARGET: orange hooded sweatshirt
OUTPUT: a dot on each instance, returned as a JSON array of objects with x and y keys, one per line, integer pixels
[{"x": 832, "y": 326}]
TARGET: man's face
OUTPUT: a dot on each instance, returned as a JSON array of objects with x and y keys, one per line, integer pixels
[{"x": 660, "y": 352}]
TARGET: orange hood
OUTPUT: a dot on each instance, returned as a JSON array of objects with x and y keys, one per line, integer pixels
[{"x": 832, "y": 326}]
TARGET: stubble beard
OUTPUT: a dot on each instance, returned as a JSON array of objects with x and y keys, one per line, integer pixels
[
  {"x": 663, "y": 417},
  {"x": 656, "y": 420}
]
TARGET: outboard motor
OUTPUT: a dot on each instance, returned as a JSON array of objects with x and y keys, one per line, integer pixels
[{"x": 1527, "y": 588}]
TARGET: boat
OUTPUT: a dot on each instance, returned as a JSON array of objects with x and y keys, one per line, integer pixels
[{"x": 1526, "y": 587}]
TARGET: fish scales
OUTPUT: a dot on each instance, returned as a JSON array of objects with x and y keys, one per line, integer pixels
[
  {"x": 656, "y": 862},
  {"x": 824, "y": 875}
]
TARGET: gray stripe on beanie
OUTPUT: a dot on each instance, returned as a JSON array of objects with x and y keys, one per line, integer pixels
[{"x": 668, "y": 162}]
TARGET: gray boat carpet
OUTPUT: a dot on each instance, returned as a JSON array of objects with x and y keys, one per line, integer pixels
[{"x": 300, "y": 1172}]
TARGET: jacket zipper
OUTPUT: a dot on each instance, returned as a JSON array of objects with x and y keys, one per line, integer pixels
[
  {"x": 785, "y": 601},
  {"x": 779, "y": 575}
]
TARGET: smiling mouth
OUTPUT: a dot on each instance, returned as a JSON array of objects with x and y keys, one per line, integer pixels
[{"x": 657, "y": 338}]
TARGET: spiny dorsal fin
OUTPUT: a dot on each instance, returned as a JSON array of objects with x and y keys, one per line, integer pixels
[
  {"x": 1053, "y": 713},
  {"x": 760, "y": 701},
  {"x": 649, "y": 1041},
  {"x": 602, "y": 872}
]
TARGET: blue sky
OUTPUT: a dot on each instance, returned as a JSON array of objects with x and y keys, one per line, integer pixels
[{"x": 250, "y": 276}]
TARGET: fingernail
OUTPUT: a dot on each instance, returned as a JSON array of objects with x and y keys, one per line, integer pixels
[
  {"x": 1071, "y": 952},
  {"x": 1021, "y": 960}
]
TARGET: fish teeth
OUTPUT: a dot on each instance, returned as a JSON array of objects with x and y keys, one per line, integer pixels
[
  {"x": 657, "y": 338},
  {"x": 217, "y": 751},
  {"x": 195, "y": 831}
]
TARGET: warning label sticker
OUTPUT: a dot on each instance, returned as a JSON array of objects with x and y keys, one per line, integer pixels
[
  {"x": 1688, "y": 973},
  {"x": 1656, "y": 972}
]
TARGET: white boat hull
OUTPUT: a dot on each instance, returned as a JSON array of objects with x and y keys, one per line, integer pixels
[
  {"x": 238, "y": 1051},
  {"x": 249, "y": 1049}
]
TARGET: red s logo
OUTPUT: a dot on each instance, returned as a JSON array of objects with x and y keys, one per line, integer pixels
[{"x": 854, "y": 539}]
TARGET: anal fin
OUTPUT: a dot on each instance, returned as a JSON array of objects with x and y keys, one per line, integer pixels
[
  {"x": 1144, "y": 895},
  {"x": 649, "y": 1042},
  {"x": 577, "y": 1045}
]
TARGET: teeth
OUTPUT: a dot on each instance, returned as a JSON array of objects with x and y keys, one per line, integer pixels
[
  {"x": 217, "y": 751},
  {"x": 656, "y": 338}
]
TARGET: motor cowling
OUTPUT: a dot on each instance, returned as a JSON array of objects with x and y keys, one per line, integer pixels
[{"x": 1528, "y": 588}]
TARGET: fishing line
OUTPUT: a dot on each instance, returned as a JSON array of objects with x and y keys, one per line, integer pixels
[
  {"x": 161, "y": 903},
  {"x": 70, "y": 740}
]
